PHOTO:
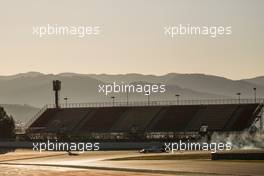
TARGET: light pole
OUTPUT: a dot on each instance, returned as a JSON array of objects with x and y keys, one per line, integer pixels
[
  {"x": 255, "y": 94},
  {"x": 177, "y": 97},
  {"x": 127, "y": 97},
  {"x": 66, "y": 101},
  {"x": 113, "y": 100},
  {"x": 148, "y": 98},
  {"x": 238, "y": 94}
]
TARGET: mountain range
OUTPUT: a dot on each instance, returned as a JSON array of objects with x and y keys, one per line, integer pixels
[{"x": 34, "y": 89}]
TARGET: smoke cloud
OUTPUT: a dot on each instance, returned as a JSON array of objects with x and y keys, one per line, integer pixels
[{"x": 241, "y": 140}]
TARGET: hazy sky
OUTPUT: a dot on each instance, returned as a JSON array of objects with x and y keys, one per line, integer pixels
[{"x": 132, "y": 38}]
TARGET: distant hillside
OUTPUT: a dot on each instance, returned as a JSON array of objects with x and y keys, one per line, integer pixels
[
  {"x": 257, "y": 80},
  {"x": 216, "y": 85},
  {"x": 20, "y": 112},
  {"x": 37, "y": 91},
  {"x": 35, "y": 88},
  {"x": 209, "y": 84}
]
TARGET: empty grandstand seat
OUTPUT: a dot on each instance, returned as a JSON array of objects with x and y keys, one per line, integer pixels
[
  {"x": 137, "y": 117},
  {"x": 82, "y": 121},
  {"x": 245, "y": 117},
  {"x": 67, "y": 118},
  {"x": 102, "y": 119},
  {"x": 174, "y": 118},
  {"x": 214, "y": 116},
  {"x": 44, "y": 118}
]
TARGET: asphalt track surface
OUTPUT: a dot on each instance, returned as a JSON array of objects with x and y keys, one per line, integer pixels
[{"x": 26, "y": 162}]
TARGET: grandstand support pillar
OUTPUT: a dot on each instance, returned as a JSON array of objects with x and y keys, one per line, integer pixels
[
  {"x": 148, "y": 98},
  {"x": 127, "y": 98}
]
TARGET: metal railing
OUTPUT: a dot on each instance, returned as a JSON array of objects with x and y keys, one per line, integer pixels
[
  {"x": 35, "y": 117},
  {"x": 159, "y": 103}
]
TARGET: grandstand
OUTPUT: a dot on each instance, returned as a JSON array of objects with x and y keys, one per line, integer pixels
[{"x": 142, "y": 119}]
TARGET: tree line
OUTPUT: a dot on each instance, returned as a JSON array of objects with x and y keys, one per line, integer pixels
[{"x": 7, "y": 125}]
